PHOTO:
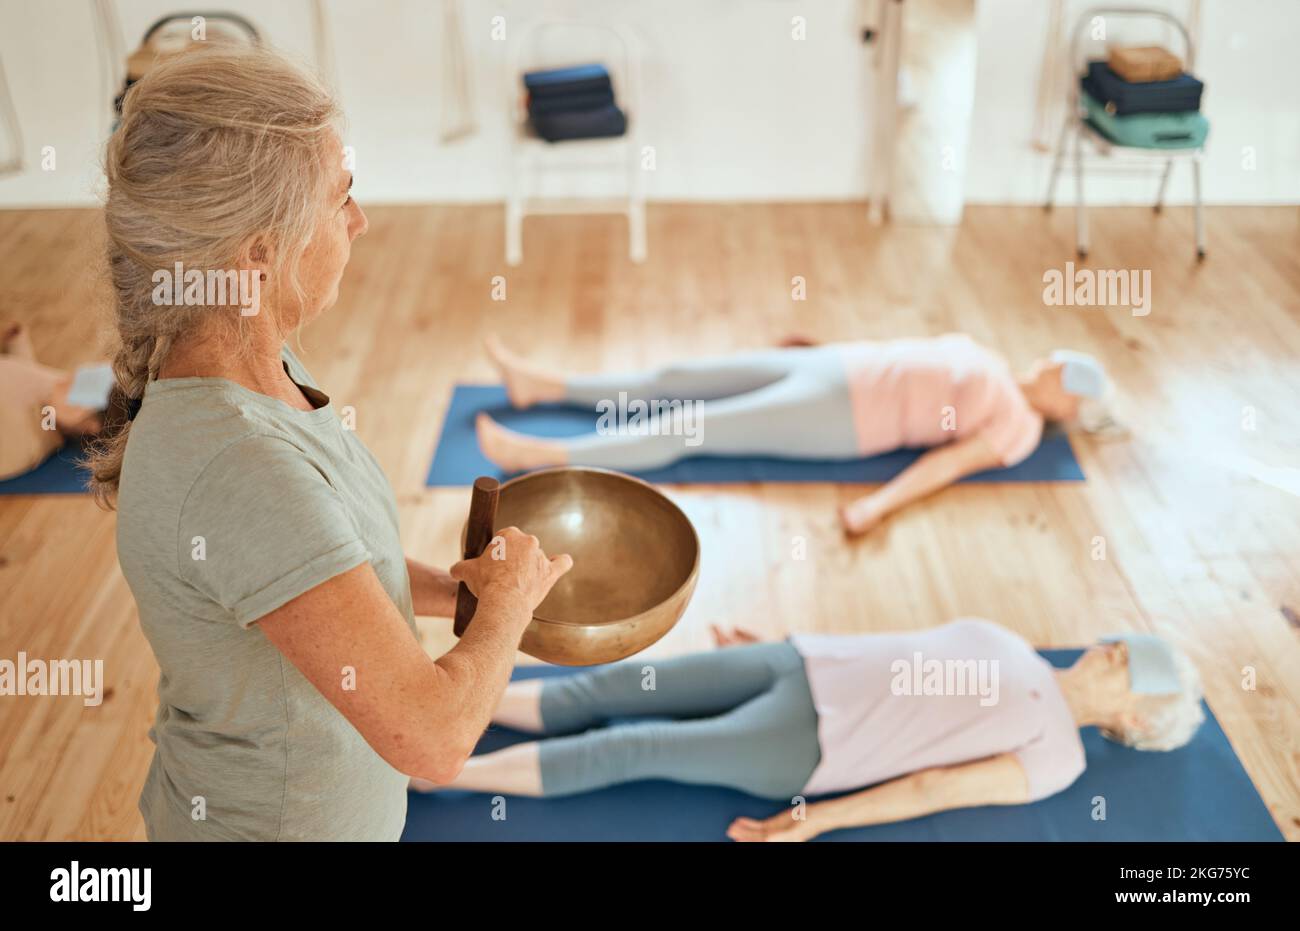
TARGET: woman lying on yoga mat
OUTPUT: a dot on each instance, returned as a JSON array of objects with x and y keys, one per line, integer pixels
[
  {"x": 957, "y": 716},
  {"x": 36, "y": 416},
  {"x": 837, "y": 401}
]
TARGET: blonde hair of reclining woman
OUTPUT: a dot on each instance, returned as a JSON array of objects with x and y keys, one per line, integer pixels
[{"x": 259, "y": 538}]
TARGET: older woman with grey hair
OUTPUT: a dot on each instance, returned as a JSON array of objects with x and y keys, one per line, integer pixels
[
  {"x": 259, "y": 536},
  {"x": 955, "y": 716}
]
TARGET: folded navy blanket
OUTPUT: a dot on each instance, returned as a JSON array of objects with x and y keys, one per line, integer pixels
[
  {"x": 568, "y": 103},
  {"x": 582, "y": 124},
  {"x": 1121, "y": 97},
  {"x": 580, "y": 79}
]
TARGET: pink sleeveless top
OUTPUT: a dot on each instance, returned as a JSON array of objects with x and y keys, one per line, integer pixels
[{"x": 925, "y": 392}]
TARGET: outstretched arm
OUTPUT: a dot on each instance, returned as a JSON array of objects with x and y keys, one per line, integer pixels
[
  {"x": 996, "y": 780},
  {"x": 936, "y": 469},
  {"x": 433, "y": 590}
]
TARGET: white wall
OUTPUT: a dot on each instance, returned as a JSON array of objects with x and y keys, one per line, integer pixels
[{"x": 734, "y": 107}]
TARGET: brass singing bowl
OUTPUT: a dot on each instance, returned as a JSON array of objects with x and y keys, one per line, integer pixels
[{"x": 636, "y": 559}]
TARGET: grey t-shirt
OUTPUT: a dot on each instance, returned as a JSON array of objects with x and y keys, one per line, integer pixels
[{"x": 232, "y": 503}]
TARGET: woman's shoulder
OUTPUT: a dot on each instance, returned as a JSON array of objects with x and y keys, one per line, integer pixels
[
  {"x": 990, "y": 635},
  {"x": 178, "y": 438}
]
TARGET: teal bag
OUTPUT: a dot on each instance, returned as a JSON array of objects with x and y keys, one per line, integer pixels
[{"x": 1185, "y": 130}]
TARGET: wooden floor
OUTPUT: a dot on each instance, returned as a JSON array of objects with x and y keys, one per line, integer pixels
[{"x": 1198, "y": 515}]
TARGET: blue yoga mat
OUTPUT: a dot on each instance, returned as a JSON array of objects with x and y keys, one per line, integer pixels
[
  {"x": 57, "y": 475},
  {"x": 1196, "y": 793},
  {"x": 457, "y": 460}
]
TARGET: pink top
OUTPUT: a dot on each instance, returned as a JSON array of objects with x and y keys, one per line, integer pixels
[
  {"x": 896, "y": 703},
  {"x": 925, "y": 392}
]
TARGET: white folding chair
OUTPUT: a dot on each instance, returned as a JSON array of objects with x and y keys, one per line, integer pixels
[
  {"x": 1076, "y": 130},
  {"x": 531, "y": 156}
]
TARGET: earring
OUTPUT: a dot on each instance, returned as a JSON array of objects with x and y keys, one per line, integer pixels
[{"x": 262, "y": 275}]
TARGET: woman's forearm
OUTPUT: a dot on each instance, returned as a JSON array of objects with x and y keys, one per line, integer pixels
[
  {"x": 905, "y": 797},
  {"x": 898, "y": 800},
  {"x": 915, "y": 482},
  {"x": 936, "y": 469},
  {"x": 433, "y": 591},
  {"x": 478, "y": 667},
  {"x": 997, "y": 780},
  {"x": 471, "y": 677}
]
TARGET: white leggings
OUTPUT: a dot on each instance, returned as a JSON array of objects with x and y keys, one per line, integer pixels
[{"x": 788, "y": 403}]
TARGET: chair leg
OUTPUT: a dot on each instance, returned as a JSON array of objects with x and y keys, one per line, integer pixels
[
  {"x": 636, "y": 248},
  {"x": 636, "y": 236},
  {"x": 1200, "y": 212},
  {"x": 514, "y": 232},
  {"x": 1164, "y": 182},
  {"x": 1056, "y": 163},
  {"x": 1080, "y": 207}
]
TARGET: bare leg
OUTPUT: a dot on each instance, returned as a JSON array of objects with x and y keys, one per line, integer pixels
[
  {"x": 520, "y": 707},
  {"x": 526, "y": 384},
  {"x": 515, "y": 452},
  {"x": 515, "y": 770}
]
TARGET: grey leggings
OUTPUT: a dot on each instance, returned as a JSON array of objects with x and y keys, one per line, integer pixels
[
  {"x": 749, "y": 723},
  {"x": 792, "y": 403}
]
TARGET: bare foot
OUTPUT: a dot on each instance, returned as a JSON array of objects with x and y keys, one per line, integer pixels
[
  {"x": 526, "y": 384},
  {"x": 516, "y": 452},
  {"x": 520, "y": 707},
  {"x": 16, "y": 340},
  {"x": 858, "y": 517},
  {"x": 737, "y": 636}
]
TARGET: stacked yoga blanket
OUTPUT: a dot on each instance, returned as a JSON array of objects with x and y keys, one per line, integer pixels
[
  {"x": 1148, "y": 114},
  {"x": 573, "y": 103}
]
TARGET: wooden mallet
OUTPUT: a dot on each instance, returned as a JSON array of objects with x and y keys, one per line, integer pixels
[{"x": 478, "y": 534}]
